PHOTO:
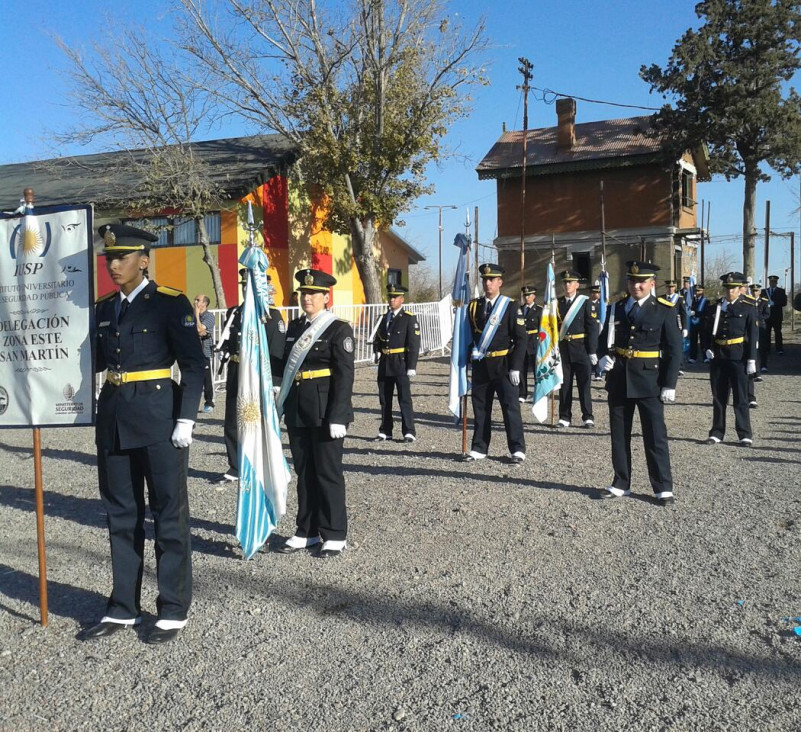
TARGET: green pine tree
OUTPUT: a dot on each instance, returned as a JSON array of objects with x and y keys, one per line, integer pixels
[{"x": 729, "y": 82}]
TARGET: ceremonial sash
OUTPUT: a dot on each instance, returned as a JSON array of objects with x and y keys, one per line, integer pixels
[
  {"x": 571, "y": 314},
  {"x": 491, "y": 327},
  {"x": 717, "y": 320},
  {"x": 299, "y": 352}
]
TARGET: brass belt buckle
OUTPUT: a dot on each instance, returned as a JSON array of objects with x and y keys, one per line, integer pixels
[
  {"x": 298, "y": 376},
  {"x": 629, "y": 353},
  {"x": 115, "y": 377}
]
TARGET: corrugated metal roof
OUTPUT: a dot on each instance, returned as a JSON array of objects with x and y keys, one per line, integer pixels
[
  {"x": 598, "y": 144},
  {"x": 236, "y": 164}
]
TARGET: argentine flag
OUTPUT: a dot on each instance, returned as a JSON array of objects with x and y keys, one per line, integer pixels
[
  {"x": 603, "y": 281},
  {"x": 460, "y": 343},
  {"x": 263, "y": 470},
  {"x": 548, "y": 370}
]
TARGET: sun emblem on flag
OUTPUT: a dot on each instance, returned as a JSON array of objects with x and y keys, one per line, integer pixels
[{"x": 247, "y": 413}]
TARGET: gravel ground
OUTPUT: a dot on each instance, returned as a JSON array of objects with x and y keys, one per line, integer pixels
[{"x": 483, "y": 597}]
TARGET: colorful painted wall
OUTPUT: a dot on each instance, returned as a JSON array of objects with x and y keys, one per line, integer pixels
[{"x": 293, "y": 238}]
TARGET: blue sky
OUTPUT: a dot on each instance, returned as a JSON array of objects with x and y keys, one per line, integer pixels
[{"x": 583, "y": 48}]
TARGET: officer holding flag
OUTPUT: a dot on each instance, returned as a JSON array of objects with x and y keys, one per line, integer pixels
[{"x": 497, "y": 352}]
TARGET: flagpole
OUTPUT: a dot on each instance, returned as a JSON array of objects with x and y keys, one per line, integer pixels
[
  {"x": 556, "y": 345},
  {"x": 464, "y": 398},
  {"x": 38, "y": 490}
]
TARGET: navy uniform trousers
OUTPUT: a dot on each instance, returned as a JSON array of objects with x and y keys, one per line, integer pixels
[
  {"x": 386, "y": 390},
  {"x": 729, "y": 377},
  {"x": 636, "y": 383},
  {"x": 484, "y": 390},
  {"x": 122, "y": 476},
  {"x": 654, "y": 437}
]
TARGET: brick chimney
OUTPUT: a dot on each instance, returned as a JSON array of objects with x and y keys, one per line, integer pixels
[{"x": 566, "y": 129}]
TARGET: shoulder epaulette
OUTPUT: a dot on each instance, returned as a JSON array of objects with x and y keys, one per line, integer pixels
[
  {"x": 408, "y": 312},
  {"x": 105, "y": 297},
  {"x": 171, "y": 291},
  {"x": 666, "y": 302},
  {"x": 749, "y": 297}
]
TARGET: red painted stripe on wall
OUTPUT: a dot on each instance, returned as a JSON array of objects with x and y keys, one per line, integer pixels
[
  {"x": 229, "y": 272},
  {"x": 104, "y": 282},
  {"x": 275, "y": 214}
]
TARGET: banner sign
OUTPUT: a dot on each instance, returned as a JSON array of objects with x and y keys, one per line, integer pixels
[{"x": 46, "y": 310}]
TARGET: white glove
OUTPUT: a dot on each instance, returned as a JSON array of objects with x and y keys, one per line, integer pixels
[
  {"x": 683, "y": 332},
  {"x": 668, "y": 395},
  {"x": 411, "y": 372},
  {"x": 338, "y": 431},
  {"x": 709, "y": 354},
  {"x": 182, "y": 434},
  {"x": 276, "y": 391},
  {"x": 750, "y": 367},
  {"x": 607, "y": 363},
  {"x": 593, "y": 359},
  {"x": 514, "y": 377},
  {"x": 376, "y": 357}
]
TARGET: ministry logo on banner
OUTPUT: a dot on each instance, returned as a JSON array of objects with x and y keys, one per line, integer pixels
[{"x": 46, "y": 305}]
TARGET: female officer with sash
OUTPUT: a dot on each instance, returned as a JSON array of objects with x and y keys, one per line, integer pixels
[{"x": 315, "y": 399}]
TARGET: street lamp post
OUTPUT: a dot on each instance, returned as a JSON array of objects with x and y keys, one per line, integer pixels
[{"x": 440, "y": 242}]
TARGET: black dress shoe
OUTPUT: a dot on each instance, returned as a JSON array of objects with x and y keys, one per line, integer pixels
[
  {"x": 158, "y": 635},
  {"x": 286, "y": 549},
  {"x": 102, "y": 630},
  {"x": 667, "y": 501},
  {"x": 606, "y": 494}
]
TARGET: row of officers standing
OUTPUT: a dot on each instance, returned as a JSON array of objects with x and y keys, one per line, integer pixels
[{"x": 145, "y": 419}]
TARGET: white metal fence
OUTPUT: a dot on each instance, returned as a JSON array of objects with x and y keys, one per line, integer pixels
[{"x": 435, "y": 331}]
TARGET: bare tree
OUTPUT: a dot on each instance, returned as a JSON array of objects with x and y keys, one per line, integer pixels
[
  {"x": 365, "y": 93},
  {"x": 423, "y": 284},
  {"x": 138, "y": 96}
]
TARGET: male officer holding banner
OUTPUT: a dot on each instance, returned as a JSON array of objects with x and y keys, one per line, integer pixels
[{"x": 498, "y": 349}]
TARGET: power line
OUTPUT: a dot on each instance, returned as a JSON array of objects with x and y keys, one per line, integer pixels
[{"x": 554, "y": 95}]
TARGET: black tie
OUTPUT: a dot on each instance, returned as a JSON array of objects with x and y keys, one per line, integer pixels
[
  {"x": 488, "y": 309},
  {"x": 389, "y": 319},
  {"x": 123, "y": 309},
  {"x": 525, "y": 310}
]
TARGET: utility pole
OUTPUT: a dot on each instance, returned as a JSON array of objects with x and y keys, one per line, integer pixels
[
  {"x": 440, "y": 242},
  {"x": 525, "y": 69},
  {"x": 792, "y": 280},
  {"x": 766, "y": 261}
]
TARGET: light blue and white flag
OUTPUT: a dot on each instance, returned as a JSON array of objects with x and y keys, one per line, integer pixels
[
  {"x": 689, "y": 298},
  {"x": 548, "y": 369},
  {"x": 460, "y": 343},
  {"x": 603, "y": 281},
  {"x": 263, "y": 470}
]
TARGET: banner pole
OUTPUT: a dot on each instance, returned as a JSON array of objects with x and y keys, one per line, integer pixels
[
  {"x": 464, "y": 424},
  {"x": 40, "y": 538}
]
